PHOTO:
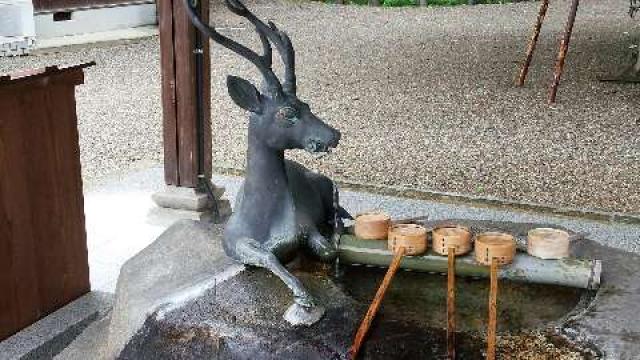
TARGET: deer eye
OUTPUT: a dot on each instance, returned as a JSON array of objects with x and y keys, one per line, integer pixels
[{"x": 287, "y": 116}]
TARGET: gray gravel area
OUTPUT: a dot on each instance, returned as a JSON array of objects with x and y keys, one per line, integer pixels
[
  {"x": 618, "y": 235},
  {"x": 424, "y": 98}
]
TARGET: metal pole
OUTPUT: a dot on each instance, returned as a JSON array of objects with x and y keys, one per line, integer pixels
[
  {"x": 562, "y": 53},
  {"x": 533, "y": 42},
  {"x": 204, "y": 181}
]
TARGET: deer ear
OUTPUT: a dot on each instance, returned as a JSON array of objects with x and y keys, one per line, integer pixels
[{"x": 244, "y": 94}]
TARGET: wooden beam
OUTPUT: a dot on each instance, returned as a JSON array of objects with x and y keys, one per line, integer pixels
[
  {"x": 533, "y": 42},
  {"x": 562, "y": 53},
  {"x": 179, "y": 95},
  {"x": 168, "y": 87}
]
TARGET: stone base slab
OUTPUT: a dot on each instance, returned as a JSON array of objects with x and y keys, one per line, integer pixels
[{"x": 184, "y": 198}]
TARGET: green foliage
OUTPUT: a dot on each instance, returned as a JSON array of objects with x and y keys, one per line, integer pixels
[
  {"x": 395, "y": 3},
  {"x": 391, "y": 3}
]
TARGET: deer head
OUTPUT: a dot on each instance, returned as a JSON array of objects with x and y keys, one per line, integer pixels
[{"x": 278, "y": 118}]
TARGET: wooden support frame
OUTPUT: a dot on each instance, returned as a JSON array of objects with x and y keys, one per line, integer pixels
[
  {"x": 179, "y": 95},
  {"x": 524, "y": 70},
  {"x": 562, "y": 52}
]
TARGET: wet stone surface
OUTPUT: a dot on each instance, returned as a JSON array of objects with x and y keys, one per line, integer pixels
[
  {"x": 241, "y": 318},
  {"x": 423, "y": 297},
  {"x": 242, "y": 321}
]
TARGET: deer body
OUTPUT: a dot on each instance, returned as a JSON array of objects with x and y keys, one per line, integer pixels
[{"x": 281, "y": 206}]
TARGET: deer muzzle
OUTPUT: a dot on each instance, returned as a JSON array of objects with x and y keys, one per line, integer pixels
[{"x": 323, "y": 144}]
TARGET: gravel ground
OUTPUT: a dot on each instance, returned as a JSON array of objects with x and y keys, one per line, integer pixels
[{"x": 424, "y": 98}]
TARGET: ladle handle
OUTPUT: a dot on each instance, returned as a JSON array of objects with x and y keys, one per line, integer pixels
[
  {"x": 375, "y": 304},
  {"x": 493, "y": 311},
  {"x": 451, "y": 304}
]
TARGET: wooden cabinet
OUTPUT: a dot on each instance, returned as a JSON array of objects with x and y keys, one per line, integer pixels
[{"x": 43, "y": 249}]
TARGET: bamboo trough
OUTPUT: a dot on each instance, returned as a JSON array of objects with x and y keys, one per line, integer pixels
[{"x": 571, "y": 272}]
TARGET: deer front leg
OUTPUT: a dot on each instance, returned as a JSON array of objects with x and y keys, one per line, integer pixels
[
  {"x": 249, "y": 252},
  {"x": 303, "y": 311},
  {"x": 321, "y": 247}
]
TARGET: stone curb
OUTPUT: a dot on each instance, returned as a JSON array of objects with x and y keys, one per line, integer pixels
[
  {"x": 51, "y": 334},
  {"x": 469, "y": 200}
]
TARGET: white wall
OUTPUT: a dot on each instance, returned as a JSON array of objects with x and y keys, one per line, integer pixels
[
  {"x": 16, "y": 18},
  {"x": 96, "y": 20}
]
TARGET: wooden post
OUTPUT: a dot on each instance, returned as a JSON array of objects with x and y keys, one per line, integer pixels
[
  {"x": 179, "y": 95},
  {"x": 451, "y": 305},
  {"x": 532, "y": 42},
  {"x": 562, "y": 53},
  {"x": 493, "y": 306},
  {"x": 375, "y": 304}
]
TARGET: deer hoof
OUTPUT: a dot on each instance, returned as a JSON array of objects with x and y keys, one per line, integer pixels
[
  {"x": 298, "y": 315},
  {"x": 304, "y": 301}
]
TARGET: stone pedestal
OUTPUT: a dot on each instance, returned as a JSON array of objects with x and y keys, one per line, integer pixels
[{"x": 194, "y": 200}]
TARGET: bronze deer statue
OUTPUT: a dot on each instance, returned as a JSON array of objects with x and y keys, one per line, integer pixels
[{"x": 281, "y": 205}]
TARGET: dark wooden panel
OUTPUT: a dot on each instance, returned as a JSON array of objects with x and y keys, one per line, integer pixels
[
  {"x": 43, "y": 244},
  {"x": 23, "y": 303},
  {"x": 184, "y": 35},
  {"x": 76, "y": 265},
  {"x": 8, "y": 318},
  {"x": 44, "y": 193}
]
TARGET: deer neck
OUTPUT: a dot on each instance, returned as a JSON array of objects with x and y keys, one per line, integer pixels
[{"x": 266, "y": 174}]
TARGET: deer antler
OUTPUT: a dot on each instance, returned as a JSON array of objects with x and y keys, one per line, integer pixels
[
  {"x": 279, "y": 38},
  {"x": 262, "y": 62}
]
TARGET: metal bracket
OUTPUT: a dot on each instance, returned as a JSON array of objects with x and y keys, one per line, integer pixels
[{"x": 205, "y": 185}]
